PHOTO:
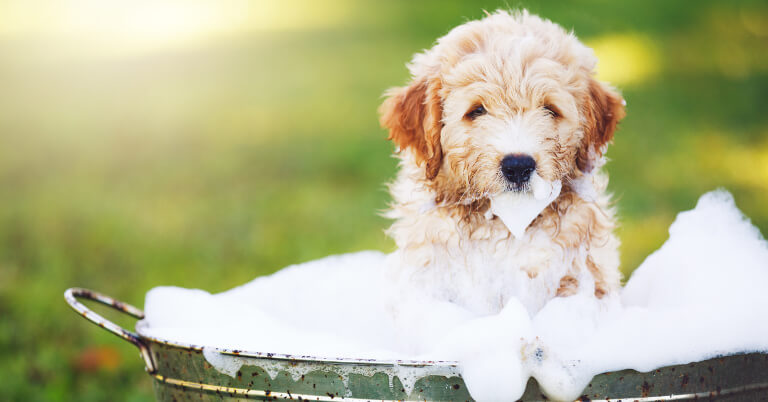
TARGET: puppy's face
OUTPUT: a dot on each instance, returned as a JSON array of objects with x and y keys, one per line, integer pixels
[
  {"x": 498, "y": 102},
  {"x": 506, "y": 120}
]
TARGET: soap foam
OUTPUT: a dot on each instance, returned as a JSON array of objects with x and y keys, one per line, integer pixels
[
  {"x": 518, "y": 209},
  {"x": 700, "y": 295}
]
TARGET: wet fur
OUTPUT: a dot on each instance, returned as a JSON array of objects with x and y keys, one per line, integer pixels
[{"x": 513, "y": 64}]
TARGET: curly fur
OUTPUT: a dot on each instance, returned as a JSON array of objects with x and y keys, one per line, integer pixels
[{"x": 536, "y": 82}]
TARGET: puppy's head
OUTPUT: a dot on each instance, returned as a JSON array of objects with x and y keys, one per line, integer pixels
[{"x": 496, "y": 102}]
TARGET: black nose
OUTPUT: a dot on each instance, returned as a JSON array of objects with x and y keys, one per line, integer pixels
[{"x": 517, "y": 168}]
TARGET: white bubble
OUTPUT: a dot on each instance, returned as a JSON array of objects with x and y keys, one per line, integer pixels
[{"x": 700, "y": 295}]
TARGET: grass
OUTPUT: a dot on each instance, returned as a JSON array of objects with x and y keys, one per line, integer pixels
[{"x": 208, "y": 163}]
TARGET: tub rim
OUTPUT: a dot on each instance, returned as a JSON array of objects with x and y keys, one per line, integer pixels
[
  {"x": 139, "y": 338},
  {"x": 141, "y": 341},
  {"x": 142, "y": 325}
]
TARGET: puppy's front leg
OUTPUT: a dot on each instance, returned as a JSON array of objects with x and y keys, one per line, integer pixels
[{"x": 584, "y": 231}]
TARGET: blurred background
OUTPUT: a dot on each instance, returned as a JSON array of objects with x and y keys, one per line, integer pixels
[{"x": 201, "y": 144}]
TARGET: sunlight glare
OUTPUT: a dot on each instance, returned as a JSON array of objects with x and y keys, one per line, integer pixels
[{"x": 120, "y": 26}]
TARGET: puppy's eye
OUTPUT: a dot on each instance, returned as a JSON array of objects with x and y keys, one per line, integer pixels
[
  {"x": 475, "y": 112},
  {"x": 551, "y": 110}
]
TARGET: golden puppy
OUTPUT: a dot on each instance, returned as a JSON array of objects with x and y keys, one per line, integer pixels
[{"x": 496, "y": 106}]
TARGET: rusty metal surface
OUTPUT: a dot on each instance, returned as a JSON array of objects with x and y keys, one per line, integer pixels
[
  {"x": 741, "y": 377},
  {"x": 737, "y": 375},
  {"x": 185, "y": 374},
  {"x": 181, "y": 372},
  {"x": 738, "y": 378}
]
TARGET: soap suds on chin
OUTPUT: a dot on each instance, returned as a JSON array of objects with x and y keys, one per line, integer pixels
[
  {"x": 700, "y": 295},
  {"x": 518, "y": 209}
]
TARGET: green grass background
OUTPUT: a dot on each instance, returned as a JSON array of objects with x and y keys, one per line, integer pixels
[{"x": 208, "y": 164}]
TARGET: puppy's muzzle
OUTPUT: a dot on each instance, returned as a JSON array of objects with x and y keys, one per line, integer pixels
[{"x": 517, "y": 169}]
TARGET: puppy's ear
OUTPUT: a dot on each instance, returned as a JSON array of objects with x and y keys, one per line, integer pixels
[
  {"x": 413, "y": 116},
  {"x": 602, "y": 110}
]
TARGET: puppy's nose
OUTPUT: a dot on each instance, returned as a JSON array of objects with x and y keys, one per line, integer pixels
[{"x": 517, "y": 168}]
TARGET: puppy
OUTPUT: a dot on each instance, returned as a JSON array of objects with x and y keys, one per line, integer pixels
[{"x": 497, "y": 107}]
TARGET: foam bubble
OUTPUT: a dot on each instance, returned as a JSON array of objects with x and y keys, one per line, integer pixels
[
  {"x": 696, "y": 297},
  {"x": 518, "y": 209}
]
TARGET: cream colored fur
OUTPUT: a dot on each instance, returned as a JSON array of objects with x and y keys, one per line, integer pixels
[{"x": 449, "y": 244}]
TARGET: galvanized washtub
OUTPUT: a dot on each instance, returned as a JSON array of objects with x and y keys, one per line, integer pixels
[{"x": 181, "y": 372}]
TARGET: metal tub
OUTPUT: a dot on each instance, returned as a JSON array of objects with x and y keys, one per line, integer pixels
[{"x": 181, "y": 372}]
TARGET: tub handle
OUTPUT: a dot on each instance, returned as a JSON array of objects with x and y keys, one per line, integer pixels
[{"x": 71, "y": 295}]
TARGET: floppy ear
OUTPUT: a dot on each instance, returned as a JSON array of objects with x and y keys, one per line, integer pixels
[
  {"x": 413, "y": 116},
  {"x": 602, "y": 110}
]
